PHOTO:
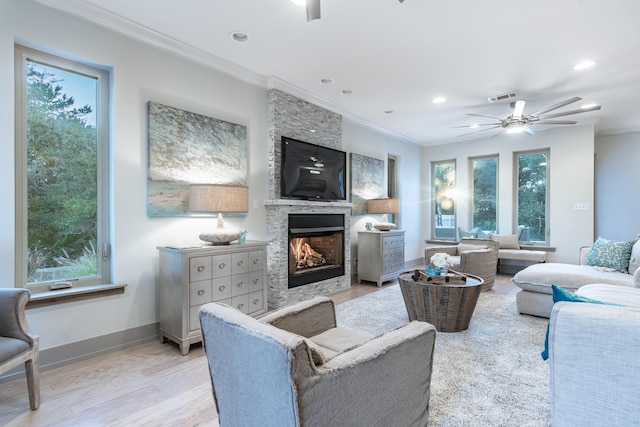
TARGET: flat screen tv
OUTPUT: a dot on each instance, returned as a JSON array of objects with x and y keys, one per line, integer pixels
[{"x": 312, "y": 172}]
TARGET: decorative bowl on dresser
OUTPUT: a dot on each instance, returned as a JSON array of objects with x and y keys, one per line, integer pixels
[{"x": 189, "y": 277}]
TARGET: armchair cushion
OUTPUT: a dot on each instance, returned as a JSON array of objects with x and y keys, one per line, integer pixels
[
  {"x": 337, "y": 340},
  {"x": 11, "y": 347},
  {"x": 464, "y": 247}
]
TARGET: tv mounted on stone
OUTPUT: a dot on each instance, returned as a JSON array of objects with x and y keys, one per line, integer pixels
[{"x": 312, "y": 172}]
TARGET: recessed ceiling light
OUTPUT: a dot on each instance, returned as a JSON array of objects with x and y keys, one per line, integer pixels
[
  {"x": 474, "y": 126},
  {"x": 439, "y": 100},
  {"x": 326, "y": 81},
  {"x": 583, "y": 65},
  {"x": 585, "y": 106},
  {"x": 348, "y": 92},
  {"x": 239, "y": 36}
]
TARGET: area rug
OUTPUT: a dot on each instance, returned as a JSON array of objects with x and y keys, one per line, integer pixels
[{"x": 489, "y": 375}]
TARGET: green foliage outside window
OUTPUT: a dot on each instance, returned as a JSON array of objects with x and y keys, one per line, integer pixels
[
  {"x": 484, "y": 193},
  {"x": 532, "y": 193},
  {"x": 61, "y": 177}
]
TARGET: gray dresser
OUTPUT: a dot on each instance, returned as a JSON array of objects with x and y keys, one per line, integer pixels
[
  {"x": 380, "y": 255},
  {"x": 233, "y": 274}
]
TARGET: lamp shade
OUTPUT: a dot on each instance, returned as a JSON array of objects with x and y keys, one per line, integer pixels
[
  {"x": 383, "y": 206},
  {"x": 218, "y": 198}
]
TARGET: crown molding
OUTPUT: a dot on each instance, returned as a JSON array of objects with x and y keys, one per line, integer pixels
[{"x": 104, "y": 18}]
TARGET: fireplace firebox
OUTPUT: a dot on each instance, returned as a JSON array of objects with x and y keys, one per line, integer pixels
[{"x": 316, "y": 248}]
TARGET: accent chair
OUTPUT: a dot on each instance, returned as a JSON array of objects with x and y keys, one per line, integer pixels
[
  {"x": 295, "y": 367},
  {"x": 18, "y": 344}
]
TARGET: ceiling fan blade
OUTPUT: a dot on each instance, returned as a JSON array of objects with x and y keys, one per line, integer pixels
[
  {"x": 481, "y": 130},
  {"x": 488, "y": 117},
  {"x": 556, "y": 106},
  {"x": 476, "y": 125},
  {"x": 567, "y": 113},
  {"x": 556, "y": 122},
  {"x": 518, "y": 109},
  {"x": 528, "y": 130},
  {"x": 313, "y": 10}
]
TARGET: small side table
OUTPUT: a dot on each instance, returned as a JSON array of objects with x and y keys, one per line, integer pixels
[{"x": 446, "y": 302}]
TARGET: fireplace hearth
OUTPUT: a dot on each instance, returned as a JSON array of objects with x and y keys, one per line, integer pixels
[{"x": 316, "y": 248}]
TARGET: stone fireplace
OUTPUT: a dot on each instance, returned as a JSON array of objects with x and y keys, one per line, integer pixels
[
  {"x": 316, "y": 248},
  {"x": 292, "y": 117}
]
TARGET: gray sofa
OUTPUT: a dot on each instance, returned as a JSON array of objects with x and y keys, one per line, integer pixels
[
  {"x": 535, "y": 281},
  {"x": 593, "y": 358},
  {"x": 296, "y": 367}
]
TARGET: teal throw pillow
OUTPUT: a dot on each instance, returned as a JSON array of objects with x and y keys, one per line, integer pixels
[
  {"x": 610, "y": 254},
  {"x": 560, "y": 294},
  {"x": 467, "y": 234}
]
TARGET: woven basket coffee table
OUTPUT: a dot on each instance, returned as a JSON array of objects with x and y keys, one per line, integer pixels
[{"x": 447, "y": 302}]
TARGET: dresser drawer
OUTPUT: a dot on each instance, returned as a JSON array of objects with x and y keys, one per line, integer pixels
[
  {"x": 239, "y": 284},
  {"x": 255, "y": 301},
  {"x": 221, "y": 288},
  {"x": 255, "y": 261},
  {"x": 240, "y": 263},
  {"x": 194, "y": 322},
  {"x": 255, "y": 281},
  {"x": 241, "y": 303},
  {"x": 199, "y": 268},
  {"x": 199, "y": 292}
]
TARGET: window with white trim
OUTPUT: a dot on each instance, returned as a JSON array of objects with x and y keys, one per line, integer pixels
[
  {"x": 484, "y": 194},
  {"x": 443, "y": 177},
  {"x": 62, "y": 185},
  {"x": 532, "y": 196}
]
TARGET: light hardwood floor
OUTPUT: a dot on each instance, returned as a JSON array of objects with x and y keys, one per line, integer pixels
[{"x": 149, "y": 384}]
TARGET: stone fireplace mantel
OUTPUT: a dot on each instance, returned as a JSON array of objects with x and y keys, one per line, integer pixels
[{"x": 278, "y": 210}]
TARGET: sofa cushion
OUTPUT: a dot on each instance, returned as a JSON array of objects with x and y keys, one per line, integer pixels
[
  {"x": 612, "y": 294},
  {"x": 634, "y": 260},
  {"x": 506, "y": 241},
  {"x": 467, "y": 234},
  {"x": 560, "y": 294},
  {"x": 522, "y": 255},
  {"x": 610, "y": 254},
  {"x": 540, "y": 277},
  {"x": 463, "y": 247}
]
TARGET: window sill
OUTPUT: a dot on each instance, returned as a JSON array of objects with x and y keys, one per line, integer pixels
[{"x": 41, "y": 299}]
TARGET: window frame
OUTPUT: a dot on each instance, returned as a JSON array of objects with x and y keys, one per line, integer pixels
[
  {"x": 472, "y": 161},
  {"x": 434, "y": 202},
  {"x": 516, "y": 202},
  {"x": 103, "y": 248}
]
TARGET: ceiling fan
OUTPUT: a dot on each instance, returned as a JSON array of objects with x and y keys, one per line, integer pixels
[{"x": 520, "y": 122}]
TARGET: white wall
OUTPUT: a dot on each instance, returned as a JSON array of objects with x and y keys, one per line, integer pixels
[
  {"x": 570, "y": 180},
  {"x": 367, "y": 142},
  {"x": 140, "y": 73},
  {"x": 617, "y": 177}
]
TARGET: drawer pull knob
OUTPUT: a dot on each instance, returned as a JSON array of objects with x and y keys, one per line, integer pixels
[
  {"x": 240, "y": 306},
  {"x": 200, "y": 268},
  {"x": 256, "y": 301},
  {"x": 222, "y": 288},
  {"x": 201, "y": 292},
  {"x": 256, "y": 280},
  {"x": 240, "y": 284},
  {"x": 222, "y": 265},
  {"x": 256, "y": 261},
  {"x": 240, "y": 263}
]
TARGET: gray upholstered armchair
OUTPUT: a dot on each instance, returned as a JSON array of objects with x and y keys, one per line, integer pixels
[
  {"x": 294, "y": 367},
  {"x": 473, "y": 256},
  {"x": 17, "y": 344}
]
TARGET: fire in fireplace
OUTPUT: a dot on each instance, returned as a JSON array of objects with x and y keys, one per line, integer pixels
[{"x": 316, "y": 248}]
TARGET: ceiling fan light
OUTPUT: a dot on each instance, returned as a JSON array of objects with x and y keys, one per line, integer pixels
[
  {"x": 299, "y": 2},
  {"x": 585, "y": 106}
]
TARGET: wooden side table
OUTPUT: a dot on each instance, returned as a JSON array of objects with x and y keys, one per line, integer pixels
[{"x": 447, "y": 302}]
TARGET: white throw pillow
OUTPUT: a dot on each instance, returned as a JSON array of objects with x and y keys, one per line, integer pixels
[
  {"x": 506, "y": 241},
  {"x": 636, "y": 278}
]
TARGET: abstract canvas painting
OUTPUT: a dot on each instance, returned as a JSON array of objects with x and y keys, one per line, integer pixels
[
  {"x": 367, "y": 182},
  {"x": 188, "y": 148}
]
